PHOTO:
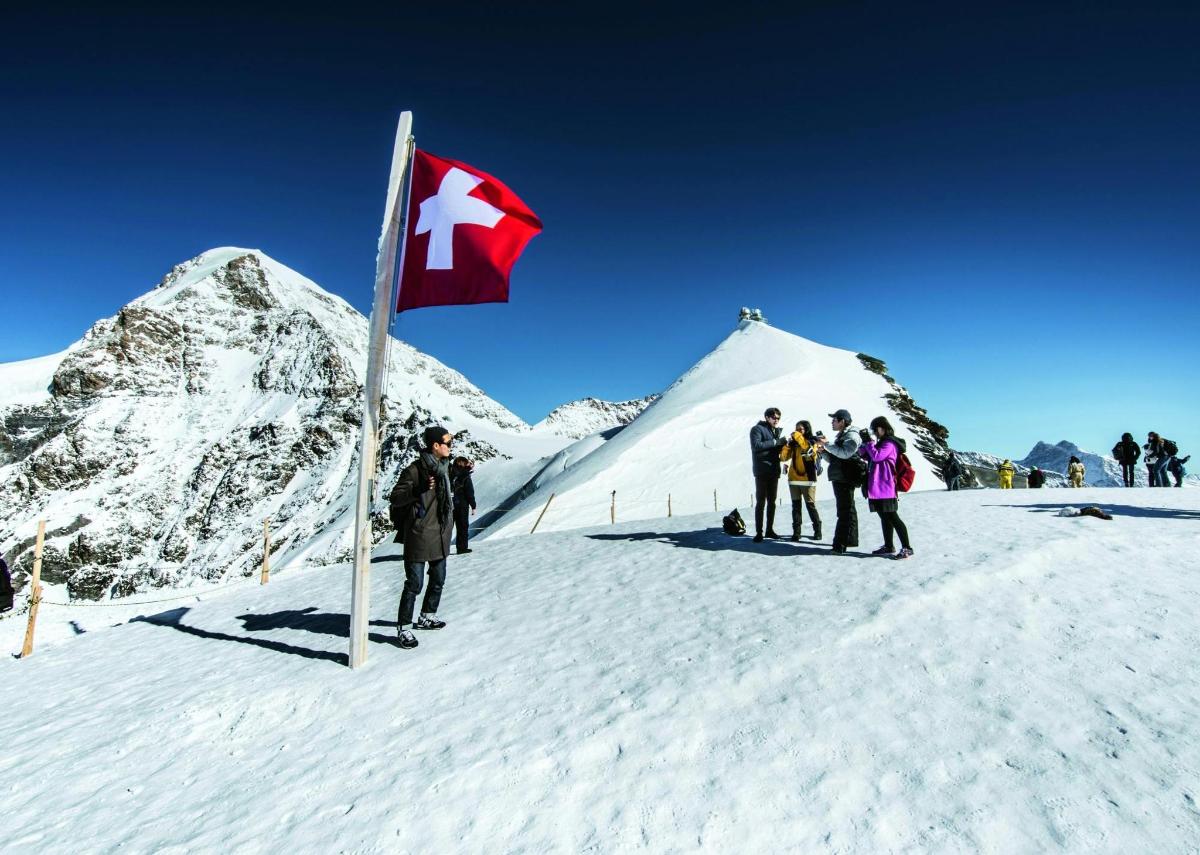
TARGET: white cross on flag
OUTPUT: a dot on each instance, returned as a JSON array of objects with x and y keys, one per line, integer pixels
[{"x": 467, "y": 233}]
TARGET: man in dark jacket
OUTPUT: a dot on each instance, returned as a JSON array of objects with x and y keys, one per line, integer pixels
[
  {"x": 6, "y": 587},
  {"x": 464, "y": 502},
  {"x": 420, "y": 508},
  {"x": 952, "y": 472},
  {"x": 1126, "y": 452},
  {"x": 765, "y": 441},
  {"x": 1036, "y": 478},
  {"x": 845, "y": 474}
]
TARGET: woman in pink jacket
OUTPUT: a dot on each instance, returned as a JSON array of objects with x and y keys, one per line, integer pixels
[{"x": 881, "y": 453}]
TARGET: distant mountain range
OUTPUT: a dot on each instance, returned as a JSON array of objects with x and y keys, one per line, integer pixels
[{"x": 1101, "y": 470}]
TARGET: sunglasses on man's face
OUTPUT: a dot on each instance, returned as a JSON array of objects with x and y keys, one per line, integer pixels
[{"x": 447, "y": 442}]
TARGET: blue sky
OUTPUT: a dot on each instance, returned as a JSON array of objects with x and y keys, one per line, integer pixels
[{"x": 1000, "y": 202}]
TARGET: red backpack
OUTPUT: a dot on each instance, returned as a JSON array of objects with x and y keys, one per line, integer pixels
[{"x": 905, "y": 474}]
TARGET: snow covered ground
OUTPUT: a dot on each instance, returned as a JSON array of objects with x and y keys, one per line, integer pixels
[{"x": 1026, "y": 683}]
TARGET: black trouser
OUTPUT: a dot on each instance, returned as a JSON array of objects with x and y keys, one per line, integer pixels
[
  {"x": 1128, "y": 470},
  {"x": 803, "y": 497},
  {"x": 413, "y": 573},
  {"x": 892, "y": 523},
  {"x": 846, "y": 533},
  {"x": 766, "y": 493},
  {"x": 952, "y": 483},
  {"x": 462, "y": 521}
]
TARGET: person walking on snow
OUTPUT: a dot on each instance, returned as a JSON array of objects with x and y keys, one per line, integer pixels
[
  {"x": 420, "y": 509},
  {"x": 1126, "y": 452},
  {"x": 845, "y": 475},
  {"x": 1006, "y": 471},
  {"x": 802, "y": 478},
  {"x": 1176, "y": 468},
  {"x": 1036, "y": 478},
  {"x": 882, "y": 453},
  {"x": 766, "y": 440},
  {"x": 1076, "y": 471},
  {"x": 463, "y": 489}
]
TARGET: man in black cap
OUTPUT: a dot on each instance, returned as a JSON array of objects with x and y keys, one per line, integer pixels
[
  {"x": 420, "y": 506},
  {"x": 766, "y": 438},
  {"x": 844, "y": 473}
]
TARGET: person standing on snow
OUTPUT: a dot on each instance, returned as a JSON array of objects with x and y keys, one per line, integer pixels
[
  {"x": 463, "y": 489},
  {"x": 802, "y": 478},
  {"x": 1076, "y": 471},
  {"x": 1152, "y": 453},
  {"x": 1176, "y": 468},
  {"x": 1006, "y": 471},
  {"x": 845, "y": 475},
  {"x": 882, "y": 454},
  {"x": 1037, "y": 478},
  {"x": 766, "y": 440},
  {"x": 952, "y": 472},
  {"x": 6, "y": 587},
  {"x": 420, "y": 509},
  {"x": 1126, "y": 452}
]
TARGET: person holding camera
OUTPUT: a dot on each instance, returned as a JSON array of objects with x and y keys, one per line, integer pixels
[
  {"x": 882, "y": 450},
  {"x": 420, "y": 507},
  {"x": 801, "y": 450},
  {"x": 845, "y": 476},
  {"x": 765, "y": 443},
  {"x": 464, "y": 502}
]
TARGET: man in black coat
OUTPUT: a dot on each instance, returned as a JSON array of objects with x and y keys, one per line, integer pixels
[
  {"x": 464, "y": 502},
  {"x": 766, "y": 440},
  {"x": 420, "y": 507},
  {"x": 1126, "y": 452},
  {"x": 952, "y": 472},
  {"x": 842, "y": 454},
  {"x": 6, "y": 587}
]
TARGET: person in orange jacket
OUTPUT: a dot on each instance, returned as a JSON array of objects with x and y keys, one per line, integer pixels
[{"x": 801, "y": 452}]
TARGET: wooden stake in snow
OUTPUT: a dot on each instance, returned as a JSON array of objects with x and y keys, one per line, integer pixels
[
  {"x": 668, "y": 505},
  {"x": 35, "y": 591},
  {"x": 613, "y": 510},
  {"x": 542, "y": 514},
  {"x": 391, "y": 247},
  {"x": 266, "y": 570},
  {"x": 715, "y": 501}
]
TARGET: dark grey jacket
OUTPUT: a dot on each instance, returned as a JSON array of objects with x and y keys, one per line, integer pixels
[
  {"x": 843, "y": 447},
  {"x": 765, "y": 442},
  {"x": 425, "y": 516}
]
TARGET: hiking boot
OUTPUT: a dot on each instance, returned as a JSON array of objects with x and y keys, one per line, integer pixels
[
  {"x": 906, "y": 552},
  {"x": 463, "y": 551},
  {"x": 795, "y": 538},
  {"x": 884, "y": 550},
  {"x": 428, "y": 622},
  {"x": 838, "y": 550},
  {"x": 816, "y": 535},
  {"x": 406, "y": 639},
  {"x": 774, "y": 535},
  {"x": 758, "y": 538}
]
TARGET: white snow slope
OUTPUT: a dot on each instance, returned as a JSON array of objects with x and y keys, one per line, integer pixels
[
  {"x": 1026, "y": 683},
  {"x": 589, "y": 416},
  {"x": 695, "y": 438}
]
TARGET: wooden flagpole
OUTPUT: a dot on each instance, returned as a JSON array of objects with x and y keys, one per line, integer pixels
[{"x": 391, "y": 249}]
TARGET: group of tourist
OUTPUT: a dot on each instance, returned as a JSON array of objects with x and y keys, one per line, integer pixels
[{"x": 869, "y": 460}]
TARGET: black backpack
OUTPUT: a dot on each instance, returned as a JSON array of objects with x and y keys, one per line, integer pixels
[
  {"x": 1170, "y": 449},
  {"x": 733, "y": 523},
  {"x": 856, "y": 470}
]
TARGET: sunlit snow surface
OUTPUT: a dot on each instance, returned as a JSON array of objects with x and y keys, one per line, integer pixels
[{"x": 1026, "y": 683}]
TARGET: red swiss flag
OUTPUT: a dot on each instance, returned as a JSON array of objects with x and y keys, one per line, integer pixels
[{"x": 465, "y": 231}]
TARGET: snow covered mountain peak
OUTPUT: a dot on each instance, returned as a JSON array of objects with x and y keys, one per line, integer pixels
[
  {"x": 588, "y": 416},
  {"x": 156, "y": 445}
]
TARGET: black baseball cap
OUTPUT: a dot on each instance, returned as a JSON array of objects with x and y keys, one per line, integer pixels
[{"x": 841, "y": 415}]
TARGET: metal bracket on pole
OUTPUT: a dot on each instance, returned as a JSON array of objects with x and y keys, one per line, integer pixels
[{"x": 391, "y": 248}]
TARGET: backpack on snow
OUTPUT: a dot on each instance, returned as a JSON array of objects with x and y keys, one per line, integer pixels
[
  {"x": 905, "y": 474},
  {"x": 733, "y": 523},
  {"x": 1170, "y": 448}
]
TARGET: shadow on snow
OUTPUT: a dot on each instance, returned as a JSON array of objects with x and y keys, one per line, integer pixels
[
  {"x": 1115, "y": 510},
  {"x": 716, "y": 540},
  {"x": 307, "y": 620}
]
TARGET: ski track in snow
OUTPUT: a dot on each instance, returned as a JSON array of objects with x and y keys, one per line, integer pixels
[{"x": 1025, "y": 683}]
